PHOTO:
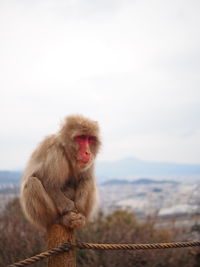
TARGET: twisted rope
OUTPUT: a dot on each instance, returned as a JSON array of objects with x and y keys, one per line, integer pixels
[
  {"x": 82, "y": 245},
  {"x": 62, "y": 248}
]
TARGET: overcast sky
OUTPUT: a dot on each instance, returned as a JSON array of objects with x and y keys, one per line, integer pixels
[{"x": 132, "y": 65}]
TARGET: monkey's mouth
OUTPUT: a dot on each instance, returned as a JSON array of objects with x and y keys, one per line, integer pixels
[{"x": 84, "y": 162}]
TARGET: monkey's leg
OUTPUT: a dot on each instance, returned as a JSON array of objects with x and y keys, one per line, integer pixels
[{"x": 37, "y": 204}]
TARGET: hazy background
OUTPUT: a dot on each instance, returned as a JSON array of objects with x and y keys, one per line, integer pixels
[{"x": 132, "y": 65}]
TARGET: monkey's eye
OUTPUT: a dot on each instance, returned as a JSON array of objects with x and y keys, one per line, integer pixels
[
  {"x": 82, "y": 137},
  {"x": 92, "y": 139}
]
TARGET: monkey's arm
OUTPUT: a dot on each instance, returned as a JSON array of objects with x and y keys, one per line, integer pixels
[
  {"x": 69, "y": 215},
  {"x": 85, "y": 197}
]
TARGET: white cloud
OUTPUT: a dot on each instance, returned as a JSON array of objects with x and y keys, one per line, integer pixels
[{"x": 132, "y": 65}]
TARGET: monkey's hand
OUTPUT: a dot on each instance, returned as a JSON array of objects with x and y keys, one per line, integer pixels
[{"x": 73, "y": 220}]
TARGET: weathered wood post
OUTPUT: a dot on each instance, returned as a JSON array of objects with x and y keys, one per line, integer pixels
[{"x": 56, "y": 235}]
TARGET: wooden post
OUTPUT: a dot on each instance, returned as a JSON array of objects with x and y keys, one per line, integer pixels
[{"x": 56, "y": 235}]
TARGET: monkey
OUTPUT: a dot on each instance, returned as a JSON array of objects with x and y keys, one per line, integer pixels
[{"x": 58, "y": 183}]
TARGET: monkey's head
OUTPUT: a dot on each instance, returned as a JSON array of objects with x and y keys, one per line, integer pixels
[{"x": 80, "y": 137}]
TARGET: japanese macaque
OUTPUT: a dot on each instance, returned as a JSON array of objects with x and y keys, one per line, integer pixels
[{"x": 58, "y": 185}]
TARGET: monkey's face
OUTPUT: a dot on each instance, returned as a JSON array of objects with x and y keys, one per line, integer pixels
[{"x": 84, "y": 154}]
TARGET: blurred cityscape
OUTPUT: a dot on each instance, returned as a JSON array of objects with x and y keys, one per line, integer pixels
[
  {"x": 172, "y": 201},
  {"x": 162, "y": 199}
]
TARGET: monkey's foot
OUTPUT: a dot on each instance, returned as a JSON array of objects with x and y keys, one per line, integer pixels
[{"x": 73, "y": 220}]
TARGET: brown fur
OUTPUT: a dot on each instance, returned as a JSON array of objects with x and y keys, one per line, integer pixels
[{"x": 55, "y": 188}]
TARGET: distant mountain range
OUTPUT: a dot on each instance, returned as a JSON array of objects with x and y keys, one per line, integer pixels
[
  {"x": 130, "y": 167},
  {"x": 10, "y": 176},
  {"x": 138, "y": 182},
  {"x": 125, "y": 168}
]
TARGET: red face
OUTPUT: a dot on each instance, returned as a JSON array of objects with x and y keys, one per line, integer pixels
[{"x": 84, "y": 152}]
